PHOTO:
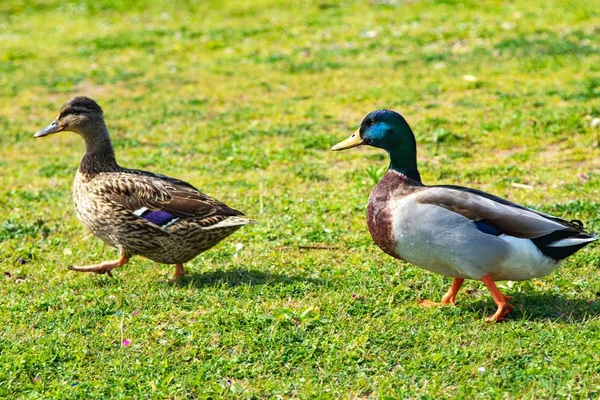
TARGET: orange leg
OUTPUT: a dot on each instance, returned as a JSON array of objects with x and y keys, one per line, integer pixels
[
  {"x": 179, "y": 272},
  {"x": 449, "y": 297},
  {"x": 504, "y": 307},
  {"x": 104, "y": 267}
]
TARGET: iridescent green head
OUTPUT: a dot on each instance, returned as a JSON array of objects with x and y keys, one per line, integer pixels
[{"x": 387, "y": 130}]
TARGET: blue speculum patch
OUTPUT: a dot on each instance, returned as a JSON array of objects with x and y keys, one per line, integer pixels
[
  {"x": 486, "y": 227},
  {"x": 159, "y": 218}
]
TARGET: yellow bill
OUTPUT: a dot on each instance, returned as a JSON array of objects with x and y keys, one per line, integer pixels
[{"x": 352, "y": 141}]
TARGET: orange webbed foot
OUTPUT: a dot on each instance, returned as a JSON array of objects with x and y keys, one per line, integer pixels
[
  {"x": 429, "y": 303},
  {"x": 449, "y": 298},
  {"x": 179, "y": 272},
  {"x": 104, "y": 267},
  {"x": 504, "y": 307},
  {"x": 502, "y": 311}
]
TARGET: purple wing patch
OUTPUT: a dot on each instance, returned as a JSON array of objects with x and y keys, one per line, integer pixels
[{"x": 160, "y": 218}]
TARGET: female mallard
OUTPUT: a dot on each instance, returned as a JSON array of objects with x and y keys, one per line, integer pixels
[
  {"x": 138, "y": 212},
  {"x": 457, "y": 231}
]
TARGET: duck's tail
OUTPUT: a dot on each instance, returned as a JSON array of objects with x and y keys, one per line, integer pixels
[
  {"x": 232, "y": 221},
  {"x": 561, "y": 244}
]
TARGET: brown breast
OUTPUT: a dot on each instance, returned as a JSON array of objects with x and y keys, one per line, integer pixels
[{"x": 392, "y": 186}]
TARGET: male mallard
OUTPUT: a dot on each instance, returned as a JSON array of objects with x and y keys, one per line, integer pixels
[
  {"x": 138, "y": 212},
  {"x": 457, "y": 231}
]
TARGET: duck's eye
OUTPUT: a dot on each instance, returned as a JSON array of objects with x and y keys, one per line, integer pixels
[{"x": 369, "y": 122}]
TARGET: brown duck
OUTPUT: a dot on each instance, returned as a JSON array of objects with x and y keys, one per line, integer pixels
[{"x": 138, "y": 212}]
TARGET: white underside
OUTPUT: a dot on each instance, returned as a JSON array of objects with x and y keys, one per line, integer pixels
[
  {"x": 524, "y": 260},
  {"x": 447, "y": 243}
]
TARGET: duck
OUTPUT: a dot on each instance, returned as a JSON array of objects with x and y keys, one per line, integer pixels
[
  {"x": 457, "y": 231},
  {"x": 140, "y": 213}
]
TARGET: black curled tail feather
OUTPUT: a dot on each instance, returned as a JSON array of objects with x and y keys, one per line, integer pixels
[{"x": 561, "y": 244}]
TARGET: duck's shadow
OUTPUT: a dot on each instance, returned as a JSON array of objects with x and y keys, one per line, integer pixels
[
  {"x": 238, "y": 276},
  {"x": 547, "y": 307}
]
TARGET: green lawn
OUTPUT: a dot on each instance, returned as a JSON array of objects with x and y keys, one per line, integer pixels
[{"x": 244, "y": 101}]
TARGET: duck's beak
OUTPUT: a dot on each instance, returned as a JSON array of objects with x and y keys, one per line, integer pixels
[
  {"x": 52, "y": 128},
  {"x": 352, "y": 141}
]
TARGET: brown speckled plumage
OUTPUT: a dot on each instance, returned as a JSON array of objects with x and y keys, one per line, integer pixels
[{"x": 111, "y": 201}]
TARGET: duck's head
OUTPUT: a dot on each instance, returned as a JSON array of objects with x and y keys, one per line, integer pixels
[
  {"x": 384, "y": 129},
  {"x": 79, "y": 115},
  {"x": 387, "y": 130}
]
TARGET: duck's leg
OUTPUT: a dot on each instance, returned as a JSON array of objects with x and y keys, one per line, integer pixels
[
  {"x": 504, "y": 307},
  {"x": 179, "y": 272},
  {"x": 449, "y": 297},
  {"x": 106, "y": 266}
]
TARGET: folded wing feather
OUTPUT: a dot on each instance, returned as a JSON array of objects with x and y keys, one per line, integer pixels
[
  {"x": 135, "y": 190},
  {"x": 512, "y": 219}
]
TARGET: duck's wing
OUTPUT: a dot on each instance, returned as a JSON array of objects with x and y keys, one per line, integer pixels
[
  {"x": 161, "y": 200},
  {"x": 494, "y": 215}
]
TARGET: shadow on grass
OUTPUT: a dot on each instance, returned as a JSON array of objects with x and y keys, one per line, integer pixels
[
  {"x": 238, "y": 276},
  {"x": 547, "y": 307}
]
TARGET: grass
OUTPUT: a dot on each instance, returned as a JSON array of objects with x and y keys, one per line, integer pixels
[{"x": 244, "y": 100}]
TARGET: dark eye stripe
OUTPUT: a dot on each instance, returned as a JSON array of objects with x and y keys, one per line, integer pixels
[{"x": 75, "y": 110}]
